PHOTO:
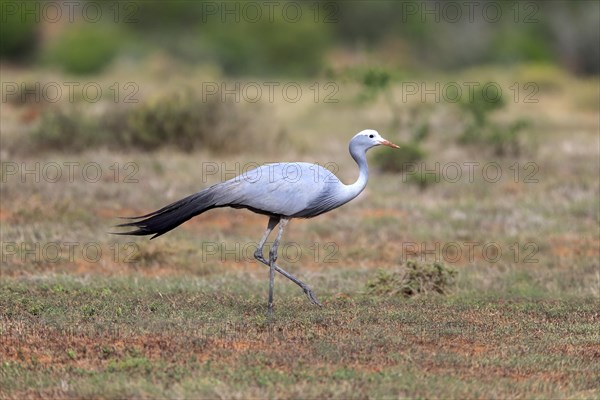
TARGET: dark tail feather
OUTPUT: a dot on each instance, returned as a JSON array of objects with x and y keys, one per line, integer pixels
[{"x": 162, "y": 221}]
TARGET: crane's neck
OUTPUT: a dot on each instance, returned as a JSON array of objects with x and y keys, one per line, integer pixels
[{"x": 359, "y": 155}]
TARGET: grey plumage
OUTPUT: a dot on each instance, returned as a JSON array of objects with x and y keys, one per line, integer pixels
[{"x": 272, "y": 189}]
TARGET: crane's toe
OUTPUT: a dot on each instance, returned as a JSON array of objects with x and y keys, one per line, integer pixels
[{"x": 311, "y": 296}]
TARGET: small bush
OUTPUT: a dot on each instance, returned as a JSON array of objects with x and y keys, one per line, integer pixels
[
  {"x": 67, "y": 129},
  {"x": 374, "y": 81},
  {"x": 18, "y": 31},
  {"x": 269, "y": 47},
  {"x": 423, "y": 180},
  {"x": 85, "y": 48},
  {"x": 184, "y": 121},
  {"x": 505, "y": 139},
  {"x": 485, "y": 99},
  {"x": 180, "y": 120},
  {"x": 397, "y": 160},
  {"x": 502, "y": 139},
  {"x": 415, "y": 279}
]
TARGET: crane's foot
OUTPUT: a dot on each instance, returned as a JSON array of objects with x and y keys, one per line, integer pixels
[{"x": 311, "y": 295}]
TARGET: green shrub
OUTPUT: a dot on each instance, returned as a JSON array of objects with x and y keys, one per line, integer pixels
[
  {"x": 480, "y": 130},
  {"x": 86, "y": 48},
  {"x": 168, "y": 120},
  {"x": 519, "y": 45},
  {"x": 423, "y": 181},
  {"x": 505, "y": 139},
  {"x": 415, "y": 279},
  {"x": 374, "y": 81},
  {"x": 499, "y": 139},
  {"x": 18, "y": 33},
  {"x": 397, "y": 160},
  {"x": 485, "y": 99},
  {"x": 184, "y": 121},
  {"x": 180, "y": 120},
  {"x": 68, "y": 129},
  {"x": 268, "y": 47}
]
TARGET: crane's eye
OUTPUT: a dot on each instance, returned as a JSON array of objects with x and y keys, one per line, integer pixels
[{"x": 371, "y": 136}]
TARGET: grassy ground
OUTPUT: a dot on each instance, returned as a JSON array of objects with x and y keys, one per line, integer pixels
[
  {"x": 183, "y": 337},
  {"x": 84, "y": 313}
]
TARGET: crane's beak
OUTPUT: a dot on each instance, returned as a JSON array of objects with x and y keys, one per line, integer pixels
[{"x": 389, "y": 144}]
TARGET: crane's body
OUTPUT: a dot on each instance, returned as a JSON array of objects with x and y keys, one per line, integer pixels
[
  {"x": 280, "y": 190},
  {"x": 295, "y": 190}
]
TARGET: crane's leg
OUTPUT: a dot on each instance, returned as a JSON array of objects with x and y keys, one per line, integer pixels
[
  {"x": 258, "y": 254},
  {"x": 272, "y": 258}
]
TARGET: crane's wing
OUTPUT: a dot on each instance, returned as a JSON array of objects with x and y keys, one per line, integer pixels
[{"x": 290, "y": 189}]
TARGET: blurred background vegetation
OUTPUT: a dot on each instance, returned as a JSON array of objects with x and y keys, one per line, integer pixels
[
  {"x": 373, "y": 45},
  {"x": 301, "y": 40}
]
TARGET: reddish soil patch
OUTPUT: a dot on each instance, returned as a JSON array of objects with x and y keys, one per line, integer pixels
[
  {"x": 107, "y": 213},
  {"x": 570, "y": 246},
  {"x": 466, "y": 347},
  {"x": 46, "y": 346},
  {"x": 4, "y": 215},
  {"x": 382, "y": 213},
  {"x": 93, "y": 351}
]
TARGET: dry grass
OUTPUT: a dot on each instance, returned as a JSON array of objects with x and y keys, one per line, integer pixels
[{"x": 183, "y": 316}]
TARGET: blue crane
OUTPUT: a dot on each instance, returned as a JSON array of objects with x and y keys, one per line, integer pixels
[{"x": 281, "y": 191}]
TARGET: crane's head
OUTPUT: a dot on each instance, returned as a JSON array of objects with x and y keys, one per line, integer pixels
[{"x": 370, "y": 138}]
